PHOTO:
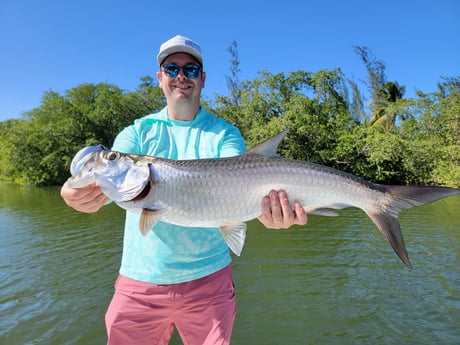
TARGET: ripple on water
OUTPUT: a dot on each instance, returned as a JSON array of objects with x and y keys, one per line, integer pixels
[{"x": 334, "y": 281}]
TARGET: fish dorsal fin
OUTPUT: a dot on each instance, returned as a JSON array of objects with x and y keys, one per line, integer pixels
[
  {"x": 234, "y": 235},
  {"x": 148, "y": 219},
  {"x": 269, "y": 146}
]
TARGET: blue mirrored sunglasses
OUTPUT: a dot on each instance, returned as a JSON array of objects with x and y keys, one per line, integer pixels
[{"x": 191, "y": 71}]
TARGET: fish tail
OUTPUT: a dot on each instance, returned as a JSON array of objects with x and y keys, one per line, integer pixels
[{"x": 397, "y": 198}]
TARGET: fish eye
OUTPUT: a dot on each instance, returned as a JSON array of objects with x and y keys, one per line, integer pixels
[{"x": 113, "y": 156}]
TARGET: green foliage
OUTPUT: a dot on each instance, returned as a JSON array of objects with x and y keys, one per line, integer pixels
[
  {"x": 424, "y": 149},
  {"x": 401, "y": 141},
  {"x": 38, "y": 150}
]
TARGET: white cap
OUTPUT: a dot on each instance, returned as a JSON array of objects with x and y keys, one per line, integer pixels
[{"x": 179, "y": 44}]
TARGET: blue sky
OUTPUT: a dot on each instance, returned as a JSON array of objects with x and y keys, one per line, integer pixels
[{"x": 60, "y": 44}]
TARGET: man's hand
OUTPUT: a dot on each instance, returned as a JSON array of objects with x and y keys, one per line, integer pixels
[
  {"x": 86, "y": 199},
  {"x": 277, "y": 212}
]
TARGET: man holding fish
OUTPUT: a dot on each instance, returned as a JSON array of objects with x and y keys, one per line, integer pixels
[{"x": 177, "y": 276}]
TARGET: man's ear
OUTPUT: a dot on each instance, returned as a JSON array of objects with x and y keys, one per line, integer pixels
[
  {"x": 203, "y": 79},
  {"x": 160, "y": 78}
]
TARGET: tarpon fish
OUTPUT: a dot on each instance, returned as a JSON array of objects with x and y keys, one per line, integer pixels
[{"x": 226, "y": 192}]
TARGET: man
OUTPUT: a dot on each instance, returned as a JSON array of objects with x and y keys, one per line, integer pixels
[{"x": 177, "y": 276}]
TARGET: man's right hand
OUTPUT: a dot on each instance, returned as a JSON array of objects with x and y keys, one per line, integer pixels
[{"x": 86, "y": 199}]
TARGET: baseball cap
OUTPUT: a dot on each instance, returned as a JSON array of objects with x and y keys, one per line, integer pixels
[{"x": 179, "y": 44}]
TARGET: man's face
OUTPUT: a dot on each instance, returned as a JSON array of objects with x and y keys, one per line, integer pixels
[{"x": 180, "y": 88}]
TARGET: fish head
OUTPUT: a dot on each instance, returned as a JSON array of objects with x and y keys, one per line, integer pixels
[{"x": 121, "y": 177}]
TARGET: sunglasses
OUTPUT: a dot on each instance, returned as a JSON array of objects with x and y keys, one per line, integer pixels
[{"x": 191, "y": 71}]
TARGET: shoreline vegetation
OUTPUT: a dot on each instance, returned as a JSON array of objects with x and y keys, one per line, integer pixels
[{"x": 387, "y": 139}]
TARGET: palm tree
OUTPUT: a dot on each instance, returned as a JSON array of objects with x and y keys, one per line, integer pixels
[{"x": 389, "y": 105}]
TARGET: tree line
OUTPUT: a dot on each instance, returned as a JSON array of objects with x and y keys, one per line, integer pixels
[{"x": 390, "y": 139}]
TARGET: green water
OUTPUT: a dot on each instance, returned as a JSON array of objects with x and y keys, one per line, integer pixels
[{"x": 334, "y": 281}]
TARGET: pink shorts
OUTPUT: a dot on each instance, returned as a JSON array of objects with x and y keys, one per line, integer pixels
[{"x": 202, "y": 310}]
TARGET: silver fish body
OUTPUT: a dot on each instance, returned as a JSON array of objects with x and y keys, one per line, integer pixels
[
  {"x": 214, "y": 192},
  {"x": 226, "y": 192}
]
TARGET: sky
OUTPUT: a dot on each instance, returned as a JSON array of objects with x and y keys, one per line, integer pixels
[{"x": 60, "y": 44}]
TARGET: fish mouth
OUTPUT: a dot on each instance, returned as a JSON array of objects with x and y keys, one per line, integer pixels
[{"x": 143, "y": 193}]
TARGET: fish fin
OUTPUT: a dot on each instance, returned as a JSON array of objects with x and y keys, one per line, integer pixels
[
  {"x": 321, "y": 211},
  {"x": 148, "y": 219},
  {"x": 234, "y": 235},
  {"x": 410, "y": 196},
  {"x": 389, "y": 226},
  {"x": 269, "y": 146},
  {"x": 397, "y": 198}
]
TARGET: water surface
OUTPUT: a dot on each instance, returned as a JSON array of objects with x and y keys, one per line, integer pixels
[{"x": 334, "y": 281}]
